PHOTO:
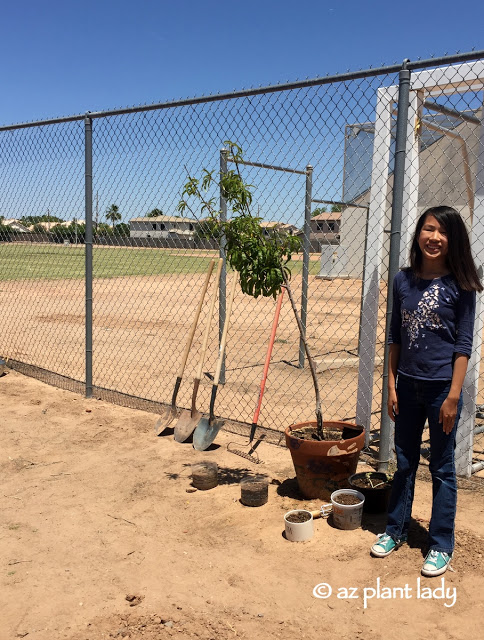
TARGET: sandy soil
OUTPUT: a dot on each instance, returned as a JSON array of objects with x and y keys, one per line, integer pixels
[
  {"x": 94, "y": 507},
  {"x": 140, "y": 329}
]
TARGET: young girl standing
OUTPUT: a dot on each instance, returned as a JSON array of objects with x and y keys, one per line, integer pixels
[{"x": 431, "y": 332}]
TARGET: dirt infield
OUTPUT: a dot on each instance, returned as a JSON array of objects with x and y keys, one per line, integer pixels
[
  {"x": 140, "y": 329},
  {"x": 94, "y": 509}
]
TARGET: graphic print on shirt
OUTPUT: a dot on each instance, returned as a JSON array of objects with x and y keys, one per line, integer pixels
[{"x": 424, "y": 316}]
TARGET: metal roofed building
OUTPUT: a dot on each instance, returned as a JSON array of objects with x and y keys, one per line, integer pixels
[{"x": 162, "y": 227}]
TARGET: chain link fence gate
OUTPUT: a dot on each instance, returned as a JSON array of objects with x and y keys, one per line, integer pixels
[{"x": 149, "y": 263}]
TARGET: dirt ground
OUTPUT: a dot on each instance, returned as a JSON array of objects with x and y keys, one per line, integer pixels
[
  {"x": 140, "y": 328},
  {"x": 94, "y": 508}
]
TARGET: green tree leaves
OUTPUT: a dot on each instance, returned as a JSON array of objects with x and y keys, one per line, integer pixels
[
  {"x": 260, "y": 260},
  {"x": 113, "y": 214}
]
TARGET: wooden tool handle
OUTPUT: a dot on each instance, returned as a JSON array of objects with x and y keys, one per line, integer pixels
[
  {"x": 225, "y": 331},
  {"x": 198, "y": 375},
  {"x": 195, "y": 320}
]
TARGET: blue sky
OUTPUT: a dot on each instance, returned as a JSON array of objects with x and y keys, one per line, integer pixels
[{"x": 64, "y": 57}]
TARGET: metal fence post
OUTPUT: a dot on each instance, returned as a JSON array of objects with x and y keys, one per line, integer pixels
[
  {"x": 306, "y": 251},
  {"x": 88, "y": 249},
  {"x": 386, "y": 429},
  {"x": 223, "y": 274}
]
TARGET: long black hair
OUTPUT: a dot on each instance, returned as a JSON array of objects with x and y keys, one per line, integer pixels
[{"x": 459, "y": 257}]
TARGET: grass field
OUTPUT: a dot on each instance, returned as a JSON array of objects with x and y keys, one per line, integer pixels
[{"x": 59, "y": 262}]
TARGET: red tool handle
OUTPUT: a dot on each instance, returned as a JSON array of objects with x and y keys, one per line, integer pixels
[{"x": 268, "y": 356}]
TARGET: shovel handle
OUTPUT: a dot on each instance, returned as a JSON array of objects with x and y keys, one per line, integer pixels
[
  {"x": 196, "y": 384},
  {"x": 175, "y": 391},
  {"x": 195, "y": 320},
  {"x": 222, "y": 349}
]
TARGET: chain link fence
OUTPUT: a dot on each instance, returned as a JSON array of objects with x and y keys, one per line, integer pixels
[{"x": 320, "y": 158}]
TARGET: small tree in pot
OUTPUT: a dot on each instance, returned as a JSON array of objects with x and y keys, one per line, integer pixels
[{"x": 323, "y": 458}]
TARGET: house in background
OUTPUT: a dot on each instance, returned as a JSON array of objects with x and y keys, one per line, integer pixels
[
  {"x": 15, "y": 225},
  {"x": 162, "y": 227},
  {"x": 269, "y": 228},
  {"x": 325, "y": 227},
  {"x": 69, "y": 223}
]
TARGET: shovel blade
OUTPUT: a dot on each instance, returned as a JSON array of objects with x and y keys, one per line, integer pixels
[
  {"x": 205, "y": 433},
  {"x": 186, "y": 425},
  {"x": 166, "y": 418}
]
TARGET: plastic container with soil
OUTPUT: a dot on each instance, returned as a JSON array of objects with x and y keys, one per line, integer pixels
[
  {"x": 205, "y": 475},
  {"x": 376, "y": 486},
  {"x": 347, "y": 508},
  {"x": 254, "y": 491},
  {"x": 299, "y": 525},
  {"x": 323, "y": 466}
]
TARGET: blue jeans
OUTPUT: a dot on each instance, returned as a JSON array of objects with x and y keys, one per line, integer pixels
[{"x": 418, "y": 400}]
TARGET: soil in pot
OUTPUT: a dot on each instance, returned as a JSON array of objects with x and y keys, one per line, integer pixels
[
  {"x": 299, "y": 516},
  {"x": 205, "y": 475},
  {"x": 347, "y": 498},
  {"x": 369, "y": 481},
  {"x": 311, "y": 433},
  {"x": 347, "y": 508},
  {"x": 254, "y": 492},
  {"x": 376, "y": 486}
]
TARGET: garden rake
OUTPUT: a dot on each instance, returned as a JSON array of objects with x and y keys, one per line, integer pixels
[{"x": 252, "y": 454}]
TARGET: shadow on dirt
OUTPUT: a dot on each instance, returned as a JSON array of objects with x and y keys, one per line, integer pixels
[{"x": 417, "y": 533}]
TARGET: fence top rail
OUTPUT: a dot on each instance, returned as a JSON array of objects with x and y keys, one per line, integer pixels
[
  {"x": 270, "y": 166},
  {"x": 300, "y": 84}
]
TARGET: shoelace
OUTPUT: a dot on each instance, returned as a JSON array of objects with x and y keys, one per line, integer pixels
[{"x": 434, "y": 555}]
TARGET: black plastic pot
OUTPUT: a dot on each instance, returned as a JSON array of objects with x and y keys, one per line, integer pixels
[{"x": 377, "y": 499}]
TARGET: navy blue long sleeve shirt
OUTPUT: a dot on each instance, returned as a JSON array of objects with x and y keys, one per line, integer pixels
[{"x": 432, "y": 320}]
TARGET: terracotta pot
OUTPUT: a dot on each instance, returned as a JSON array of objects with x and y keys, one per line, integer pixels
[{"x": 324, "y": 466}]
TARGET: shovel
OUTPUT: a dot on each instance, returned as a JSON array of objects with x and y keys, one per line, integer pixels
[
  {"x": 207, "y": 428},
  {"x": 169, "y": 413},
  {"x": 188, "y": 420}
]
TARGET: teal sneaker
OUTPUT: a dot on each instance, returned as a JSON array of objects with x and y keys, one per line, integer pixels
[
  {"x": 436, "y": 563},
  {"x": 384, "y": 545}
]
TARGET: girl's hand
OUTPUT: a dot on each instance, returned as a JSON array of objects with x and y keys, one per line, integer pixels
[
  {"x": 392, "y": 404},
  {"x": 448, "y": 414}
]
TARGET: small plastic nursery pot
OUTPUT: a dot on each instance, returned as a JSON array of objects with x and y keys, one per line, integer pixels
[
  {"x": 254, "y": 491},
  {"x": 376, "y": 497},
  {"x": 205, "y": 475},
  {"x": 347, "y": 516},
  {"x": 324, "y": 466},
  {"x": 299, "y": 531}
]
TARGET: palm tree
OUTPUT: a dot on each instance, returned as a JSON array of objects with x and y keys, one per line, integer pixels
[
  {"x": 154, "y": 213},
  {"x": 113, "y": 214}
]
